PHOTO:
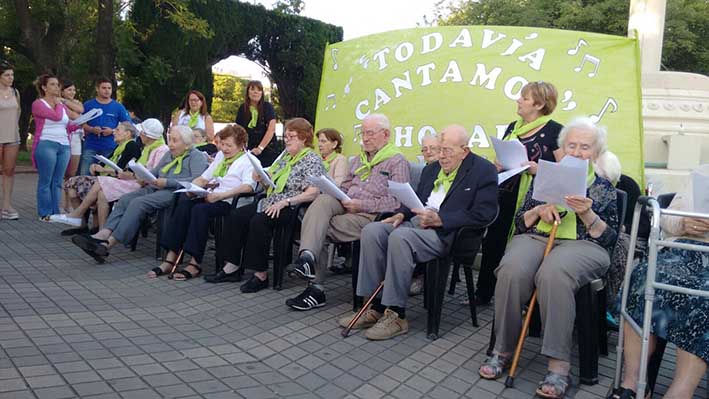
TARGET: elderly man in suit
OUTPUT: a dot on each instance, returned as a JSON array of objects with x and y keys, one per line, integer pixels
[{"x": 460, "y": 189}]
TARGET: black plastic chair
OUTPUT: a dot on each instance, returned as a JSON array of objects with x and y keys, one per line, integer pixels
[{"x": 283, "y": 238}]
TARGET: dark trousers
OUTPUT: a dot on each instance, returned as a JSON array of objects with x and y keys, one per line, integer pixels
[
  {"x": 251, "y": 233},
  {"x": 189, "y": 225},
  {"x": 494, "y": 244}
]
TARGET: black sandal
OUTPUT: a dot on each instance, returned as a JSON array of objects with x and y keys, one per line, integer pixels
[
  {"x": 186, "y": 274},
  {"x": 159, "y": 271},
  {"x": 622, "y": 393}
]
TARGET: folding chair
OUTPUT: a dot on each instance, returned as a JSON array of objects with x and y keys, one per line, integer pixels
[{"x": 651, "y": 285}]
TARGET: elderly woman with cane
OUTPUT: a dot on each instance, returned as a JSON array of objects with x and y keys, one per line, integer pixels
[{"x": 581, "y": 253}]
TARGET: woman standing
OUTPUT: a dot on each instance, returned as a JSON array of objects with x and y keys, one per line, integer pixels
[
  {"x": 258, "y": 117},
  {"x": 539, "y": 134},
  {"x": 74, "y": 108},
  {"x": 193, "y": 114},
  {"x": 9, "y": 137},
  {"x": 50, "y": 144},
  {"x": 330, "y": 146}
]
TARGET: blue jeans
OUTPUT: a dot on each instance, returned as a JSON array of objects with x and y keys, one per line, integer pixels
[
  {"x": 52, "y": 159},
  {"x": 87, "y": 158}
]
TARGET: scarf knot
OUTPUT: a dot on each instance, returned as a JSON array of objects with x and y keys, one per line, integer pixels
[
  {"x": 382, "y": 155},
  {"x": 446, "y": 180},
  {"x": 176, "y": 162},
  {"x": 225, "y": 164},
  {"x": 280, "y": 176}
]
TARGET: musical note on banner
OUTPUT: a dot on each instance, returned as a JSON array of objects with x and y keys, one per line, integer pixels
[
  {"x": 575, "y": 50},
  {"x": 610, "y": 102},
  {"x": 334, "y": 60},
  {"x": 330, "y": 100},
  {"x": 347, "y": 86},
  {"x": 364, "y": 61},
  {"x": 570, "y": 104},
  {"x": 531, "y": 36},
  {"x": 357, "y": 136},
  {"x": 595, "y": 61}
]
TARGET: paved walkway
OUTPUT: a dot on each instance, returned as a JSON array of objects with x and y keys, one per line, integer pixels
[{"x": 71, "y": 328}]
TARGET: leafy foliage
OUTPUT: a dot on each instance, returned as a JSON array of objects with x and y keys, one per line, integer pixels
[
  {"x": 686, "y": 36},
  {"x": 228, "y": 95}
]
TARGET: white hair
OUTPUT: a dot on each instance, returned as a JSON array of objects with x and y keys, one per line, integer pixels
[
  {"x": 380, "y": 119},
  {"x": 585, "y": 123},
  {"x": 429, "y": 136},
  {"x": 185, "y": 133},
  {"x": 607, "y": 165}
]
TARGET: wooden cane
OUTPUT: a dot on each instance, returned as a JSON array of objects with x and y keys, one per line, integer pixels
[
  {"x": 174, "y": 267},
  {"x": 510, "y": 381},
  {"x": 346, "y": 332}
]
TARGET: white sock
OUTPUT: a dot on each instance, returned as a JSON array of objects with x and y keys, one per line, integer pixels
[{"x": 230, "y": 268}]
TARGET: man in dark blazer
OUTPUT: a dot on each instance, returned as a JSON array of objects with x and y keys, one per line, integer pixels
[{"x": 458, "y": 190}]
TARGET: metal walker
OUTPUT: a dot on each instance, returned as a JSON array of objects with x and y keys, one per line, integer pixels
[{"x": 654, "y": 241}]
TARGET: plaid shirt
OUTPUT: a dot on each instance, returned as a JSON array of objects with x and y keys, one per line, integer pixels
[{"x": 373, "y": 192}]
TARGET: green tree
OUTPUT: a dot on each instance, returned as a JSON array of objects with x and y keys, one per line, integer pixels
[
  {"x": 228, "y": 95},
  {"x": 686, "y": 36}
]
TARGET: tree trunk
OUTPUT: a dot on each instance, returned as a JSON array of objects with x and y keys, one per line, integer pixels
[{"x": 105, "y": 52}]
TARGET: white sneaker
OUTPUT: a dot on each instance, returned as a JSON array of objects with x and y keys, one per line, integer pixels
[{"x": 66, "y": 219}]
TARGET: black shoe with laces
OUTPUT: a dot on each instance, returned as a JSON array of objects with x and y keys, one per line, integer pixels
[
  {"x": 303, "y": 267},
  {"x": 309, "y": 299},
  {"x": 254, "y": 284}
]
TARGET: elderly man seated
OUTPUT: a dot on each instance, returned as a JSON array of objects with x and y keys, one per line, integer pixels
[
  {"x": 342, "y": 221},
  {"x": 458, "y": 190},
  {"x": 581, "y": 253},
  {"x": 182, "y": 163}
]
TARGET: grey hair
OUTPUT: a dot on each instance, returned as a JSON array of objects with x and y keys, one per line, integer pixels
[
  {"x": 585, "y": 123},
  {"x": 201, "y": 131},
  {"x": 429, "y": 136},
  {"x": 607, "y": 165},
  {"x": 185, "y": 133},
  {"x": 459, "y": 130},
  {"x": 380, "y": 119},
  {"x": 129, "y": 127}
]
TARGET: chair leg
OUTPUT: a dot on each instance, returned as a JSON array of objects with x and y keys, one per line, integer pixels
[
  {"x": 455, "y": 278},
  {"x": 159, "y": 221},
  {"x": 356, "y": 300},
  {"x": 653, "y": 365},
  {"x": 602, "y": 325},
  {"x": 587, "y": 335},
  {"x": 470, "y": 285},
  {"x": 493, "y": 337},
  {"x": 277, "y": 255},
  {"x": 218, "y": 244},
  {"x": 436, "y": 277}
]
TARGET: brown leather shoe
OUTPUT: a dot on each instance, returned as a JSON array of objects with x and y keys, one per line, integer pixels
[{"x": 389, "y": 326}]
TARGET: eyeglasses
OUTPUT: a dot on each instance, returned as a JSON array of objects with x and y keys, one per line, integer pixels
[
  {"x": 288, "y": 137},
  {"x": 369, "y": 133},
  {"x": 431, "y": 149},
  {"x": 448, "y": 151}
]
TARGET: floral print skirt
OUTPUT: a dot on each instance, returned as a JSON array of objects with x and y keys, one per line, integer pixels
[{"x": 678, "y": 318}]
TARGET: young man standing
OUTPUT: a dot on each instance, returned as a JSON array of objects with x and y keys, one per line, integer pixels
[{"x": 98, "y": 132}]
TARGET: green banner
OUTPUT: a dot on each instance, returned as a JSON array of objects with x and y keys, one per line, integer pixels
[{"x": 424, "y": 79}]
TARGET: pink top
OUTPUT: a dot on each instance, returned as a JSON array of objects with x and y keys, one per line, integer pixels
[{"x": 41, "y": 112}]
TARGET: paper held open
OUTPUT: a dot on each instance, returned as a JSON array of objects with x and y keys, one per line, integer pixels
[
  {"x": 511, "y": 154},
  {"x": 108, "y": 163},
  {"x": 328, "y": 187},
  {"x": 141, "y": 172},
  {"x": 265, "y": 178},
  {"x": 405, "y": 194},
  {"x": 192, "y": 189},
  {"x": 554, "y": 181},
  {"x": 87, "y": 116}
]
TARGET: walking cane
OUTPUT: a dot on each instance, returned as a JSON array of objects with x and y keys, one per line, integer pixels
[
  {"x": 346, "y": 332},
  {"x": 174, "y": 266},
  {"x": 510, "y": 381}
]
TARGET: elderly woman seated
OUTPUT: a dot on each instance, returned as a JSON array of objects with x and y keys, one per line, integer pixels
[
  {"x": 251, "y": 227},
  {"x": 581, "y": 253},
  {"x": 677, "y": 318},
  {"x": 109, "y": 185},
  {"x": 227, "y": 176},
  {"x": 182, "y": 163}
]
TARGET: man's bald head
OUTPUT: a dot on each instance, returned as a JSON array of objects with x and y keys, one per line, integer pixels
[{"x": 454, "y": 147}]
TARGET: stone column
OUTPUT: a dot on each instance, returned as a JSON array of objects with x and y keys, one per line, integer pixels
[{"x": 647, "y": 17}]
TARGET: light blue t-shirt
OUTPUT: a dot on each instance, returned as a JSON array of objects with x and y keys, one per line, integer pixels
[{"x": 113, "y": 114}]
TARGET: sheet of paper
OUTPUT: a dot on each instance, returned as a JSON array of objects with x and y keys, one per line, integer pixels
[
  {"x": 87, "y": 116},
  {"x": 141, "y": 172},
  {"x": 510, "y": 154},
  {"x": 405, "y": 194},
  {"x": 328, "y": 187},
  {"x": 554, "y": 181},
  {"x": 190, "y": 187},
  {"x": 108, "y": 163},
  {"x": 700, "y": 188},
  {"x": 265, "y": 179},
  {"x": 503, "y": 176}
]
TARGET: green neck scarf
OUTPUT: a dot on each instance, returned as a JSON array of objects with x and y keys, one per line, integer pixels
[
  {"x": 225, "y": 164},
  {"x": 567, "y": 227},
  {"x": 116, "y": 155},
  {"x": 326, "y": 161},
  {"x": 382, "y": 155},
  {"x": 280, "y": 176},
  {"x": 194, "y": 119},
  {"x": 445, "y": 179},
  {"x": 520, "y": 128},
  {"x": 254, "y": 117},
  {"x": 177, "y": 163},
  {"x": 525, "y": 179},
  {"x": 148, "y": 149},
  {"x": 200, "y": 145}
]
